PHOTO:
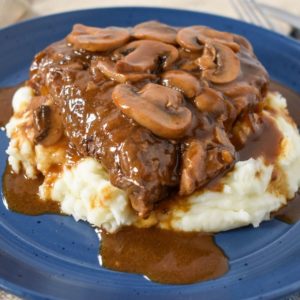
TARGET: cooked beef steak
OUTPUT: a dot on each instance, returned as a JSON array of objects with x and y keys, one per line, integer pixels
[{"x": 158, "y": 110}]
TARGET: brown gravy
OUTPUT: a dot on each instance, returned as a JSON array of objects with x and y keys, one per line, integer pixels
[
  {"x": 291, "y": 212},
  {"x": 292, "y": 97},
  {"x": 21, "y": 194},
  {"x": 264, "y": 143},
  {"x": 163, "y": 256},
  {"x": 6, "y": 110}
]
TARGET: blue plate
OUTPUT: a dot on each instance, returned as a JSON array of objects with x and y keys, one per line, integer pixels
[{"x": 54, "y": 257}]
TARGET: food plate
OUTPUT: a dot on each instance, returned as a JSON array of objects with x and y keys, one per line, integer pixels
[{"x": 52, "y": 257}]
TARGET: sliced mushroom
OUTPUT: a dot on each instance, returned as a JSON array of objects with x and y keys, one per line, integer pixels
[
  {"x": 237, "y": 89},
  {"x": 195, "y": 37},
  {"x": 97, "y": 39},
  {"x": 107, "y": 67},
  {"x": 36, "y": 101},
  {"x": 208, "y": 58},
  {"x": 183, "y": 81},
  {"x": 146, "y": 56},
  {"x": 158, "y": 108},
  {"x": 219, "y": 63},
  {"x": 154, "y": 30},
  {"x": 47, "y": 125},
  {"x": 187, "y": 60},
  {"x": 193, "y": 168},
  {"x": 210, "y": 101},
  {"x": 97, "y": 75},
  {"x": 243, "y": 42}
]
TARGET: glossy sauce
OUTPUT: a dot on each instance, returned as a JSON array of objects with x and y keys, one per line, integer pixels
[
  {"x": 265, "y": 142},
  {"x": 291, "y": 212},
  {"x": 21, "y": 194},
  {"x": 6, "y": 110},
  {"x": 162, "y": 256},
  {"x": 143, "y": 164}
]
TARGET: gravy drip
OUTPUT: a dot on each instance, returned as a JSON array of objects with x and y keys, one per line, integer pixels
[
  {"x": 264, "y": 142},
  {"x": 21, "y": 194},
  {"x": 163, "y": 256},
  {"x": 6, "y": 111},
  {"x": 157, "y": 116},
  {"x": 291, "y": 212}
]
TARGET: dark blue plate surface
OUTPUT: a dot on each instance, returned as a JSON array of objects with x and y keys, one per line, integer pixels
[{"x": 54, "y": 257}]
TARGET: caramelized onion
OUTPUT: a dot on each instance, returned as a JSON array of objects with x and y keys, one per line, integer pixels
[
  {"x": 195, "y": 37},
  {"x": 183, "y": 81},
  {"x": 219, "y": 63}
]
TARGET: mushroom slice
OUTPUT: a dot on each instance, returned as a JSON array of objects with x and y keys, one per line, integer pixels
[
  {"x": 154, "y": 30},
  {"x": 183, "y": 81},
  {"x": 219, "y": 63},
  {"x": 193, "y": 173},
  {"x": 107, "y": 67},
  {"x": 210, "y": 101},
  {"x": 208, "y": 58},
  {"x": 195, "y": 37},
  {"x": 47, "y": 125},
  {"x": 243, "y": 42},
  {"x": 146, "y": 56},
  {"x": 237, "y": 89},
  {"x": 158, "y": 108},
  {"x": 97, "y": 39}
]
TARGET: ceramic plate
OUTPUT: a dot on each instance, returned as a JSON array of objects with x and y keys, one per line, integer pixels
[{"x": 54, "y": 257}]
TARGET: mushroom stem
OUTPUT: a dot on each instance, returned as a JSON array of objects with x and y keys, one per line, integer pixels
[{"x": 97, "y": 39}]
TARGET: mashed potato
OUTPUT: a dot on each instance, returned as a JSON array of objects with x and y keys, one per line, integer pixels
[{"x": 85, "y": 192}]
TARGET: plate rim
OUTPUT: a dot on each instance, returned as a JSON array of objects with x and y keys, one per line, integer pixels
[
  {"x": 288, "y": 39},
  {"x": 21, "y": 291}
]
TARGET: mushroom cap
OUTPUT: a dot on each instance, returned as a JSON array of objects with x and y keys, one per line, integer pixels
[
  {"x": 158, "y": 108},
  {"x": 154, "y": 30},
  {"x": 219, "y": 63},
  {"x": 210, "y": 101},
  {"x": 97, "y": 39},
  {"x": 184, "y": 81},
  {"x": 243, "y": 42},
  {"x": 47, "y": 124},
  {"x": 107, "y": 67},
  {"x": 144, "y": 56},
  {"x": 195, "y": 37}
]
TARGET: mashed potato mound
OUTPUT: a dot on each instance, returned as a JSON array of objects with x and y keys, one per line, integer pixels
[{"x": 85, "y": 192}]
